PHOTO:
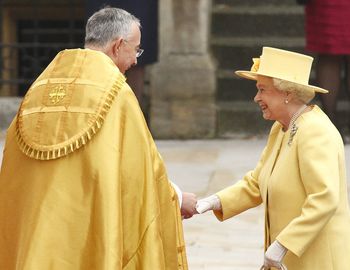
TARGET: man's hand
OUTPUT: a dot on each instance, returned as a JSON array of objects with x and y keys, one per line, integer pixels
[
  {"x": 188, "y": 207},
  {"x": 209, "y": 203},
  {"x": 274, "y": 255}
]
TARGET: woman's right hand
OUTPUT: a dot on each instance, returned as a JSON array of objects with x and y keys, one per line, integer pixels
[{"x": 209, "y": 203}]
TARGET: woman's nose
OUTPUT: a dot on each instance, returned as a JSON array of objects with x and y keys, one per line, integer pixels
[{"x": 257, "y": 97}]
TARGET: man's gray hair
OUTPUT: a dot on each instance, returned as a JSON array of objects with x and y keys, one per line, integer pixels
[
  {"x": 302, "y": 92},
  {"x": 108, "y": 24}
]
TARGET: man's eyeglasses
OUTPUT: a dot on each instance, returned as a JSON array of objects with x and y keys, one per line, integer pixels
[{"x": 138, "y": 51}]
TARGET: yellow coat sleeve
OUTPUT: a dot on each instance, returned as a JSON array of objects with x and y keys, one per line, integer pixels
[
  {"x": 241, "y": 196},
  {"x": 246, "y": 193}
]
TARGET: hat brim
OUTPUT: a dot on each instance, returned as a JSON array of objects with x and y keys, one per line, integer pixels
[{"x": 251, "y": 75}]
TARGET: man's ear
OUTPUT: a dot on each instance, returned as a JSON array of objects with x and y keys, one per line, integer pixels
[{"x": 115, "y": 46}]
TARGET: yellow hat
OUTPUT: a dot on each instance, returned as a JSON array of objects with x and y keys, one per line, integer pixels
[{"x": 284, "y": 65}]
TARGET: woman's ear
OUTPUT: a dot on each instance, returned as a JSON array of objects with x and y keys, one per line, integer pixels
[{"x": 289, "y": 95}]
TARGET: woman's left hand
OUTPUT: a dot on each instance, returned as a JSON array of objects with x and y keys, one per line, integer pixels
[{"x": 274, "y": 255}]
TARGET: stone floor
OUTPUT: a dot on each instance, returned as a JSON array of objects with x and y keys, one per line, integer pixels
[{"x": 204, "y": 167}]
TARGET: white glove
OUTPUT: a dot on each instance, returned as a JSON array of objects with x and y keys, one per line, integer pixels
[
  {"x": 274, "y": 255},
  {"x": 209, "y": 203}
]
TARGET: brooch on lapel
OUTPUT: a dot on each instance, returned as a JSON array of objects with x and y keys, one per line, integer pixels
[
  {"x": 293, "y": 131},
  {"x": 292, "y": 126}
]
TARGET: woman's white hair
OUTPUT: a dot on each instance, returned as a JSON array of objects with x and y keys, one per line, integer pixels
[
  {"x": 302, "y": 92},
  {"x": 108, "y": 24}
]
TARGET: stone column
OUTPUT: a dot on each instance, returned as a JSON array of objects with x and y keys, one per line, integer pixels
[{"x": 183, "y": 82}]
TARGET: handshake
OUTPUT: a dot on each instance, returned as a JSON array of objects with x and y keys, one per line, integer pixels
[{"x": 191, "y": 206}]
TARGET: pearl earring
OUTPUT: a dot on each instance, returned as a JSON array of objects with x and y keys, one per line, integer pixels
[{"x": 286, "y": 101}]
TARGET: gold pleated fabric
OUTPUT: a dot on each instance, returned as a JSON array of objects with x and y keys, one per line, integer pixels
[{"x": 82, "y": 185}]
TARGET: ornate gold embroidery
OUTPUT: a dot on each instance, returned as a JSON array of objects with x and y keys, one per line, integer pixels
[
  {"x": 77, "y": 141},
  {"x": 57, "y": 94}
]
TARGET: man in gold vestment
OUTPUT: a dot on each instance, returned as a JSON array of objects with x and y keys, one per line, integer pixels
[{"x": 82, "y": 185}]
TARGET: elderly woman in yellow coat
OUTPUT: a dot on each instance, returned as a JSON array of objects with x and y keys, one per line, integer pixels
[{"x": 300, "y": 177}]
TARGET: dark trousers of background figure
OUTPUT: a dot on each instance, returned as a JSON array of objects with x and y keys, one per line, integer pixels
[{"x": 329, "y": 70}]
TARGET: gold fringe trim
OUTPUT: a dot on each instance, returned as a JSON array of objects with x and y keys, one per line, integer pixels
[{"x": 37, "y": 152}]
